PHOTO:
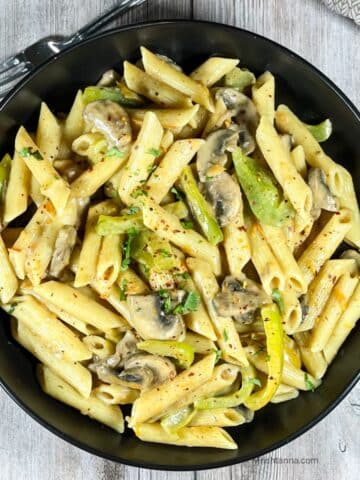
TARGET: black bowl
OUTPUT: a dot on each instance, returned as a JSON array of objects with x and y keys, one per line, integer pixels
[{"x": 300, "y": 86}]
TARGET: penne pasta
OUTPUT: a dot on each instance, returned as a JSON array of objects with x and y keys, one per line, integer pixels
[
  {"x": 170, "y": 118},
  {"x": 74, "y": 123},
  {"x": 99, "y": 346},
  {"x": 213, "y": 69},
  {"x": 237, "y": 248},
  {"x": 164, "y": 72},
  {"x": 263, "y": 95},
  {"x": 56, "y": 387},
  {"x": 218, "y": 417},
  {"x": 17, "y": 192},
  {"x": 112, "y": 394},
  {"x": 8, "y": 280}
]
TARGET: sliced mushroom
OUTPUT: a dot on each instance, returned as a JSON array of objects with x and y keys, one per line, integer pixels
[
  {"x": 352, "y": 255},
  {"x": 224, "y": 195},
  {"x": 108, "y": 78},
  {"x": 242, "y": 108},
  {"x": 162, "y": 369},
  {"x": 239, "y": 298},
  {"x": 141, "y": 378},
  {"x": 110, "y": 119},
  {"x": 151, "y": 322},
  {"x": 214, "y": 151},
  {"x": 124, "y": 349},
  {"x": 64, "y": 245},
  {"x": 323, "y": 199}
]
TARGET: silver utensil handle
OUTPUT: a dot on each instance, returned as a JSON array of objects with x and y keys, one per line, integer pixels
[{"x": 104, "y": 19}]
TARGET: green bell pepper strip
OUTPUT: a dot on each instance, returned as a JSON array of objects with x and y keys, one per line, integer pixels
[
  {"x": 239, "y": 78},
  {"x": 264, "y": 196},
  {"x": 234, "y": 399},
  {"x": 119, "y": 94},
  {"x": 322, "y": 131},
  {"x": 172, "y": 423},
  {"x": 153, "y": 251},
  {"x": 181, "y": 351},
  {"x": 5, "y": 166},
  {"x": 200, "y": 208},
  {"x": 108, "y": 225},
  {"x": 275, "y": 357},
  {"x": 177, "y": 208}
]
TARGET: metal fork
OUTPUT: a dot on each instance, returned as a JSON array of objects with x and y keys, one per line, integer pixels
[{"x": 15, "y": 67}]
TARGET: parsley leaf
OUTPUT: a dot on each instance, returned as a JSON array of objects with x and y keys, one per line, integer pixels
[
  {"x": 122, "y": 289},
  {"x": 187, "y": 224},
  {"x": 190, "y": 304},
  {"x": 218, "y": 354},
  {"x": 255, "y": 381},
  {"x": 308, "y": 383},
  {"x": 184, "y": 275},
  {"x": 177, "y": 194},
  {"x": 132, "y": 210},
  {"x": 151, "y": 168},
  {"x": 166, "y": 301},
  {"x": 138, "y": 193},
  {"x": 131, "y": 234},
  {"x": 115, "y": 152},
  {"x": 27, "y": 152},
  {"x": 164, "y": 253},
  {"x": 278, "y": 299},
  {"x": 225, "y": 335},
  {"x": 154, "y": 151}
]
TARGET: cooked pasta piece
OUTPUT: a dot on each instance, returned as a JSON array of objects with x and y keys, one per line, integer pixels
[
  {"x": 74, "y": 123},
  {"x": 263, "y": 94},
  {"x": 164, "y": 72},
  {"x": 8, "y": 280},
  {"x": 170, "y": 167},
  {"x": 99, "y": 346},
  {"x": 314, "y": 362},
  {"x": 171, "y": 118},
  {"x": 213, "y": 69},
  {"x": 56, "y": 387},
  {"x": 325, "y": 244},
  {"x": 227, "y": 336},
  {"x": 211, "y": 437},
  {"x": 112, "y": 394},
  {"x": 17, "y": 192}
]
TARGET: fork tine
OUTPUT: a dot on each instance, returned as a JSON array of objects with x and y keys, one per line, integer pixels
[
  {"x": 14, "y": 76},
  {"x": 12, "y": 62}
]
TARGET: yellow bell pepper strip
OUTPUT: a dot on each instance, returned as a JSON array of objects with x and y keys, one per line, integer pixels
[
  {"x": 322, "y": 131},
  {"x": 275, "y": 359},
  {"x": 172, "y": 423},
  {"x": 239, "y": 78},
  {"x": 248, "y": 380},
  {"x": 5, "y": 166},
  {"x": 264, "y": 196},
  {"x": 120, "y": 94},
  {"x": 200, "y": 208},
  {"x": 181, "y": 351}
]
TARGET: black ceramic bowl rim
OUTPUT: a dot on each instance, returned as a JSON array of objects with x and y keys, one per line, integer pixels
[{"x": 288, "y": 438}]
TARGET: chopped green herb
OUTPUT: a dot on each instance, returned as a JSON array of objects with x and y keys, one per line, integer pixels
[
  {"x": 132, "y": 210},
  {"x": 154, "y": 151},
  {"x": 218, "y": 354},
  {"x": 184, "y": 275},
  {"x": 138, "y": 193},
  {"x": 27, "y": 152},
  {"x": 122, "y": 289},
  {"x": 255, "y": 381},
  {"x": 208, "y": 177},
  {"x": 308, "y": 383},
  {"x": 225, "y": 335},
  {"x": 190, "y": 304},
  {"x": 187, "y": 224},
  {"x": 167, "y": 304},
  {"x": 278, "y": 299},
  {"x": 12, "y": 308},
  {"x": 131, "y": 234},
  {"x": 115, "y": 152},
  {"x": 164, "y": 253},
  {"x": 151, "y": 168},
  {"x": 177, "y": 194}
]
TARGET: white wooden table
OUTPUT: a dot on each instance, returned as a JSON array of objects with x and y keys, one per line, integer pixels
[{"x": 331, "y": 450}]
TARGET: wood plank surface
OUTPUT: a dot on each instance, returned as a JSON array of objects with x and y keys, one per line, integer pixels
[{"x": 330, "y": 42}]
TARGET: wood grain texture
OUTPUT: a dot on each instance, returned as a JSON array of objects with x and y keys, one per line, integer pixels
[{"x": 330, "y": 42}]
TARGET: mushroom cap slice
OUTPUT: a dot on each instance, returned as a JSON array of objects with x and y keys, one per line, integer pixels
[
  {"x": 243, "y": 109},
  {"x": 224, "y": 195},
  {"x": 162, "y": 368},
  {"x": 323, "y": 199},
  {"x": 124, "y": 349},
  {"x": 141, "y": 378},
  {"x": 64, "y": 245},
  {"x": 239, "y": 298},
  {"x": 149, "y": 320},
  {"x": 110, "y": 119},
  {"x": 108, "y": 78},
  {"x": 214, "y": 151}
]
